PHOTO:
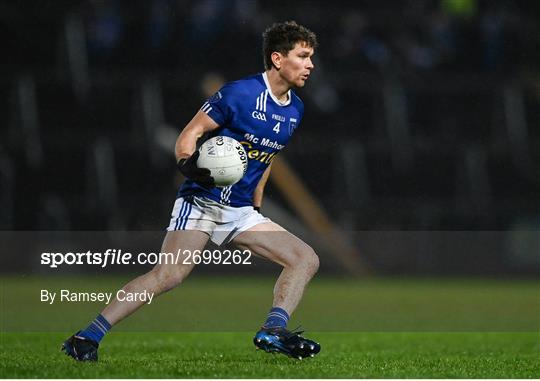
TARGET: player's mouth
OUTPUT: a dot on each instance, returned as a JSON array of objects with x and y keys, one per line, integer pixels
[{"x": 304, "y": 77}]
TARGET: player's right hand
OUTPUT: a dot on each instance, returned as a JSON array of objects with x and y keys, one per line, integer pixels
[{"x": 188, "y": 167}]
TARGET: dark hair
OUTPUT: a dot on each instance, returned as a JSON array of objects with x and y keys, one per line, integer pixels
[{"x": 281, "y": 37}]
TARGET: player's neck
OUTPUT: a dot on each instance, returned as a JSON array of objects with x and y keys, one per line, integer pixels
[{"x": 279, "y": 87}]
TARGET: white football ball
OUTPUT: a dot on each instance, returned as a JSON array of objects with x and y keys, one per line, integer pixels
[{"x": 226, "y": 159}]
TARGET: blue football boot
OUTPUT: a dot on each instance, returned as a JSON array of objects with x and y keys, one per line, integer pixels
[
  {"x": 80, "y": 348},
  {"x": 290, "y": 343}
]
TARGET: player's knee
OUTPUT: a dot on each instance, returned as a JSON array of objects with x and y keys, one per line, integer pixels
[
  {"x": 312, "y": 261},
  {"x": 167, "y": 278},
  {"x": 307, "y": 259}
]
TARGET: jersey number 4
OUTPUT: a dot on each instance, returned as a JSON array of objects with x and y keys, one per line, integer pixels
[{"x": 276, "y": 128}]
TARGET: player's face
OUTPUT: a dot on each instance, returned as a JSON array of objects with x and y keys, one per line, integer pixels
[{"x": 296, "y": 66}]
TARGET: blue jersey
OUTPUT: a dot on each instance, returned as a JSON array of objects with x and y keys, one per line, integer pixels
[{"x": 247, "y": 111}]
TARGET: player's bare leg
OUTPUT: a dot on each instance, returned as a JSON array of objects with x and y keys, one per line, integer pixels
[
  {"x": 300, "y": 263},
  {"x": 163, "y": 277},
  {"x": 298, "y": 259}
]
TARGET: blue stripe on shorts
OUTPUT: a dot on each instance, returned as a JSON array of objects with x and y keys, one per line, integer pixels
[{"x": 179, "y": 214}]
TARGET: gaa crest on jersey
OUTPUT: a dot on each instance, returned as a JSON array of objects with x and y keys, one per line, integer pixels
[
  {"x": 292, "y": 125},
  {"x": 215, "y": 98}
]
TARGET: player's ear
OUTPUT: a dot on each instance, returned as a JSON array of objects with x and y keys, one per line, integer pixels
[{"x": 276, "y": 59}]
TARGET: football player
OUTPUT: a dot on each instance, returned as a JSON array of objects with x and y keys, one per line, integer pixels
[{"x": 262, "y": 112}]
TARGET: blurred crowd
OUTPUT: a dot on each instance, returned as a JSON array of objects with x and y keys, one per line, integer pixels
[
  {"x": 428, "y": 109},
  {"x": 455, "y": 35},
  {"x": 440, "y": 34}
]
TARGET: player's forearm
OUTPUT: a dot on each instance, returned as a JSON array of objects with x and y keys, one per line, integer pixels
[
  {"x": 187, "y": 140},
  {"x": 186, "y": 143},
  {"x": 259, "y": 190},
  {"x": 258, "y": 196}
]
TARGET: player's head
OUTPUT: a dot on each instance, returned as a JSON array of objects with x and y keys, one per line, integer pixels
[{"x": 287, "y": 48}]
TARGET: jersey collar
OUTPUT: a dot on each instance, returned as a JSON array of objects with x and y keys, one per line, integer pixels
[{"x": 286, "y": 103}]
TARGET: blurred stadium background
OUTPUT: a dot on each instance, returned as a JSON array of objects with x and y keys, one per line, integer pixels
[
  {"x": 417, "y": 164},
  {"x": 420, "y": 116}
]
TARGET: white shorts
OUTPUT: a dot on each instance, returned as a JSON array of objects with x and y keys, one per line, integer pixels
[{"x": 221, "y": 222}]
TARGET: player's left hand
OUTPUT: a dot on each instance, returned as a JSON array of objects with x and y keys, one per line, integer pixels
[{"x": 188, "y": 167}]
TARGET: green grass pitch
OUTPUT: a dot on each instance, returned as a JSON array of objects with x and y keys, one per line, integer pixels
[
  {"x": 231, "y": 355},
  {"x": 367, "y": 329}
]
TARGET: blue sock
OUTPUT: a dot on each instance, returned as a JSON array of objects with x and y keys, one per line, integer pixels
[
  {"x": 277, "y": 317},
  {"x": 97, "y": 329}
]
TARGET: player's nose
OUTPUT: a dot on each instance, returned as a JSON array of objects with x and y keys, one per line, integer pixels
[{"x": 309, "y": 64}]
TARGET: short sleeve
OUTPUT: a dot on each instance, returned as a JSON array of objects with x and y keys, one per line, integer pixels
[
  {"x": 220, "y": 106},
  {"x": 300, "y": 108}
]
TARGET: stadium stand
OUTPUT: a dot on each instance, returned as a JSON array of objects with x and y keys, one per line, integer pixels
[{"x": 431, "y": 131}]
